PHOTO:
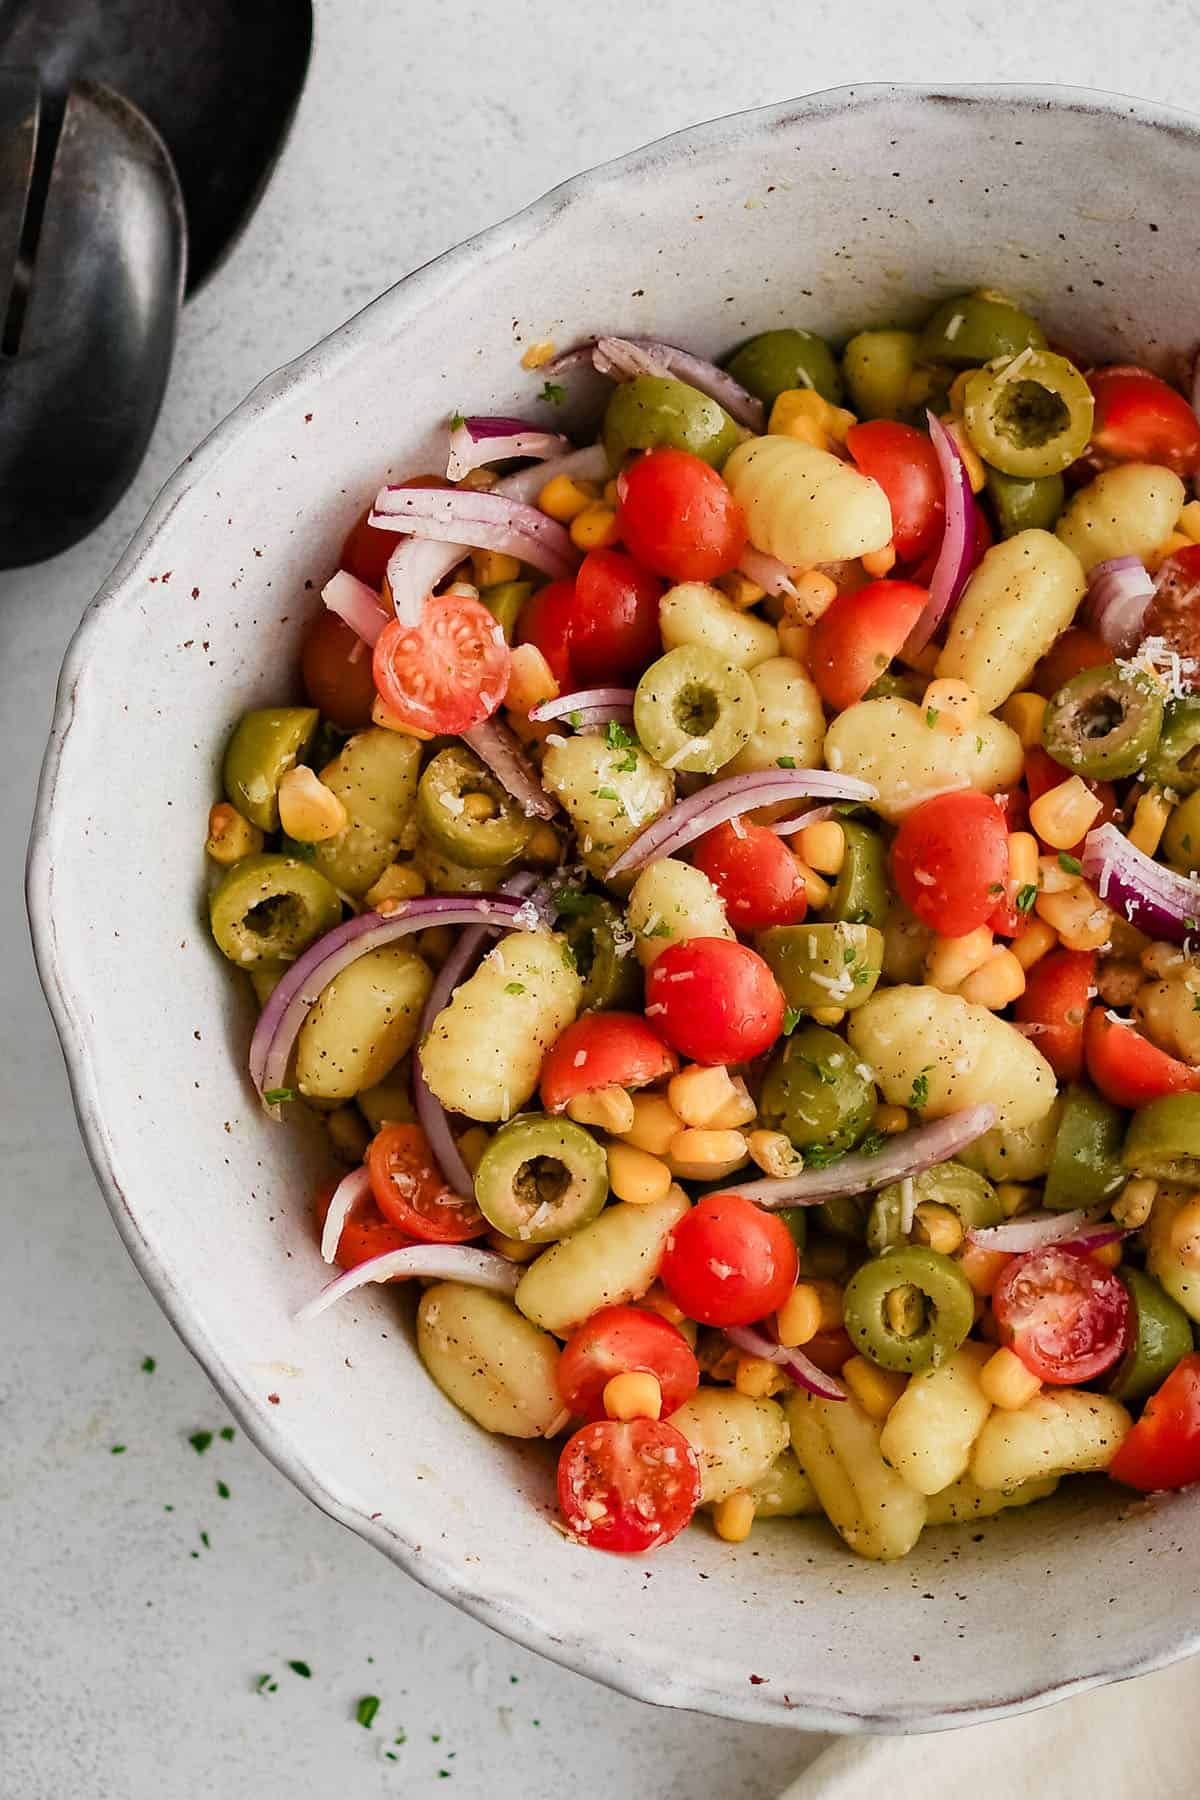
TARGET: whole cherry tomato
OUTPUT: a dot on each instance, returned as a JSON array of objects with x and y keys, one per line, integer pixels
[
  {"x": 729, "y": 1263},
  {"x": 950, "y": 861},
  {"x": 625, "y": 1339},
  {"x": 603, "y": 1049},
  {"x": 714, "y": 1000},
  {"x": 678, "y": 518},
  {"x": 755, "y": 874}
]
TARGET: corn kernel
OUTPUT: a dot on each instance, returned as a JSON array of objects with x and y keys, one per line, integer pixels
[
  {"x": 889, "y": 1119},
  {"x": 1022, "y": 860},
  {"x": 1185, "y": 1233},
  {"x": 737, "y": 1111},
  {"x": 949, "y": 961},
  {"x": 807, "y": 431},
  {"x": 774, "y": 1153},
  {"x": 823, "y": 846},
  {"x": 1189, "y": 521},
  {"x": 1178, "y": 540},
  {"x": 805, "y": 403},
  {"x": 955, "y": 704},
  {"x": 230, "y": 837},
  {"x": 530, "y": 680},
  {"x": 491, "y": 567},
  {"x": 938, "y": 1226},
  {"x": 876, "y": 1390},
  {"x": 793, "y": 639},
  {"x": 971, "y": 459},
  {"x": 815, "y": 594},
  {"x": 564, "y": 499},
  {"x": 904, "y": 1310},
  {"x": 812, "y": 1306},
  {"x": 658, "y": 1300},
  {"x": 816, "y": 890},
  {"x": 1081, "y": 921},
  {"x": 471, "y": 1146},
  {"x": 1109, "y": 1254},
  {"x": 608, "y": 1108},
  {"x": 1063, "y": 814},
  {"x": 982, "y": 1268},
  {"x": 879, "y": 563},
  {"x": 399, "y": 881},
  {"x": 1006, "y": 1382},
  {"x": 1035, "y": 940},
  {"x": 515, "y": 1250},
  {"x": 543, "y": 845},
  {"x": 655, "y": 1123},
  {"x": 1023, "y": 713},
  {"x": 740, "y": 589},
  {"x": 996, "y": 983},
  {"x": 308, "y": 810},
  {"x": 538, "y": 355},
  {"x": 701, "y": 1149},
  {"x": 1016, "y": 1197},
  {"x": 467, "y": 590},
  {"x": 957, "y": 392},
  {"x": 634, "y": 1394},
  {"x": 756, "y": 1377},
  {"x": 383, "y": 716},
  {"x": 1150, "y": 817},
  {"x": 1134, "y": 1203},
  {"x": 594, "y": 529},
  {"x": 697, "y": 1093},
  {"x": 636, "y": 1176},
  {"x": 830, "y": 1299},
  {"x": 733, "y": 1517},
  {"x": 828, "y": 1016}
]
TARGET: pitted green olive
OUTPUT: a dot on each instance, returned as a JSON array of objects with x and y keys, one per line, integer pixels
[{"x": 653, "y": 412}]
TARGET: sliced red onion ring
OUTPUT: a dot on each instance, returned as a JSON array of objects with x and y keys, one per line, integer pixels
[
  {"x": 1035, "y": 1230},
  {"x": 1118, "y": 598},
  {"x": 594, "y": 706},
  {"x": 816, "y": 815},
  {"x": 346, "y": 1195},
  {"x": 497, "y": 746},
  {"x": 479, "y": 440},
  {"x": 953, "y": 563},
  {"x": 803, "y": 1372},
  {"x": 485, "y": 521},
  {"x": 357, "y": 604},
  {"x": 648, "y": 356},
  {"x": 767, "y": 571},
  {"x": 300, "y": 988},
  {"x": 722, "y": 800},
  {"x": 437, "y": 1262},
  {"x": 906, "y": 1154},
  {"x": 1157, "y": 900}
]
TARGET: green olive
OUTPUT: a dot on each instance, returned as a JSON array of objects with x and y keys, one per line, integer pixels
[
  {"x": 464, "y": 813},
  {"x": 976, "y": 328},
  {"x": 445, "y": 876},
  {"x": 951, "y": 1184},
  {"x": 1085, "y": 1167},
  {"x": 816, "y": 1092},
  {"x": 909, "y": 1308},
  {"x": 843, "y": 1217},
  {"x": 541, "y": 1179},
  {"x": 898, "y": 684},
  {"x": 389, "y": 1102},
  {"x": 1025, "y": 503},
  {"x": 504, "y": 600},
  {"x": 1104, "y": 723},
  {"x": 1175, "y": 763},
  {"x": 694, "y": 709},
  {"x": 1161, "y": 1334},
  {"x": 817, "y": 964},
  {"x": 1181, "y": 839},
  {"x": 879, "y": 369},
  {"x": 374, "y": 775},
  {"x": 775, "y": 361},
  {"x": 604, "y": 951},
  {"x": 268, "y": 908},
  {"x": 860, "y": 893},
  {"x": 264, "y": 746},
  {"x": 1164, "y": 1141},
  {"x": 652, "y": 412},
  {"x": 1029, "y": 415}
]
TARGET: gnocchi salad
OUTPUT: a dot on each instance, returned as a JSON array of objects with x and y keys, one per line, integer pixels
[{"x": 731, "y": 891}]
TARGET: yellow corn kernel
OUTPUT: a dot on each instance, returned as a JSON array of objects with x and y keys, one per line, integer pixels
[
  {"x": 1063, "y": 814},
  {"x": 955, "y": 704},
  {"x": 471, "y": 1146},
  {"x": 608, "y": 1108},
  {"x": 530, "y": 680},
  {"x": 655, "y": 1123},
  {"x": 756, "y": 1377},
  {"x": 230, "y": 837},
  {"x": 515, "y": 1250},
  {"x": 658, "y": 1300},
  {"x": 1015, "y": 1197},
  {"x": 636, "y": 1176},
  {"x": 1053, "y": 878},
  {"x": 308, "y": 810},
  {"x": 982, "y": 1268},
  {"x": 904, "y": 1310},
  {"x": 879, "y": 563},
  {"x": 733, "y": 1517},
  {"x": 1185, "y": 1234},
  {"x": 698, "y": 1093},
  {"x": 889, "y": 1119},
  {"x": 817, "y": 890},
  {"x": 634, "y": 1394},
  {"x": 827, "y": 1015},
  {"x": 383, "y": 716},
  {"x": 972, "y": 461},
  {"x": 1022, "y": 860},
  {"x": 957, "y": 393},
  {"x": 1178, "y": 540},
  {"x": 1134, "y": 1203},
  {"x": 1189, "y": 521},
  {"x": 467, "y": 589},
  {"x": 949, "y": 961},
  {"x": 996, "y": 983},
  {"x": 938, "y": 1226},
  {"x": 774, "y": 1153},
  {"x": 1035, "y": 941},
  {"x": 490, "y": 567},
  {"x": 543, "y": 845},
  {"x": 1023, "y": 713},
  {"x": 795, "y": 404},
  {"x": 1150, "y": 817},
  {"x": 1006, "y": 1382},
  {"x": 793, "y": 639},
  {"x": 1108, "y": 1254},
  {"x": 807, "y": 431},
  {"x": 876, "y": 1390},
  {"x": 399, "y": 881},
  {"x": 612, "y": 493},
  {"x": 815, "y": 594},
  {"x": 702, "y": 1148},
  {"x": 538, "y": 354},
  {"x": 595, "y": 528},
  {"x": 737, "y": 1111},
  {"x": 740, "y": 589},
  {"x": 564, "y": 499},
  {"x": 1081, "y": 921},
  {"x": 823, "y": 846},
  {"x": 830, "y": 1300},
  {"x": 799, "y": 1318}
]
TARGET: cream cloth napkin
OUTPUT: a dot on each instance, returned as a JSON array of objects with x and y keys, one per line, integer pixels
[{"x": 1137, "y": 1740}]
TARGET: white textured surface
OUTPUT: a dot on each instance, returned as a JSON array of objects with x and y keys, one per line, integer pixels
[{"x": 126, "y": 1664}]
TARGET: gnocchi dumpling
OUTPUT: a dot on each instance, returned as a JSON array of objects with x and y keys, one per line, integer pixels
[
  {"x": 493, "y": 1363},
  {"x": 890, "y": 743},
  {"x": 804, "y": 505},
  {"x": 362, "y": 1024},
  {"x": 614, "y": 1259},
  {"x": 1063, "y": 1431},
  {"x": 737, "y": 1439},
  {"x": 1024, "y": 592},
  {"x": 1127, "y": 511},
  {"x": 791, "y": 719},
  {"x": 610, "y": 795},
  {"x": 671, "y": 902},
  {"x": 928, "y": 1435},
  {"x": 694, "y": 613},
  {"x": 837, "y": 1446}
]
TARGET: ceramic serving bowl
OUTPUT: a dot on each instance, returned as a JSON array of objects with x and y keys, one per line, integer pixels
[{"x": 833, "y": 211}]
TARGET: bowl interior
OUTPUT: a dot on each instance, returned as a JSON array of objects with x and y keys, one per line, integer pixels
[{"x": 846, "y": 209}]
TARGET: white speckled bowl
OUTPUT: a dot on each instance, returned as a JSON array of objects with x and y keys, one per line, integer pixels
[{"x": 831, "y": 212}]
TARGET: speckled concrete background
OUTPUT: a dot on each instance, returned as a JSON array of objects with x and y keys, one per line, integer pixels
[{"x": 130, "y": 1641}]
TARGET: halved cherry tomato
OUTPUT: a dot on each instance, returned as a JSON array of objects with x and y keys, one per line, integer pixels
[
  {"x": 410, "y": 1192},
  {"x": 729, "y": 1263},
  {"x": 677, "y": 517},
  {"x": 755, "y": 874},
  {"x": 1058, "y": 989},
  {"x": 1174, "y": 612},
  {"x": 545, "y": 621},
  {"x": 1163, "y": 1449},
  {"x": 856, "y": 638},
  {"x": 715, "y": 1001},
  {"x": 614, "y": 626},
  {"x": 603, "y": 1049},
  {"x": 336, "y": 666},
  {"x": 621, "y": 1339},
  {"x": 366, "y": 550},
  {"x": 447, "y": 673},
  {"x": 365, "y": 1234},
  {"x": 1127, "y": 1068},
  {"x": 1042, "y": 773},
  {"x": 628, "y": 1486},
  {"x": 1065, "y": 1315},
  {"x": 904, "y": 463},
  {"x": 1076, "y": 650},
  {"x": 1140, "y": 419},
  {"x": 950, "y": 861}
]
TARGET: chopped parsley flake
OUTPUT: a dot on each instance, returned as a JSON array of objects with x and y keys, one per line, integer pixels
[
  {"x": 223, "y": 1489},
  {"x": 662, "y": 929},
  {"x": 979, "y": 746},
  {"x": 872, "y": 1144},
  {"x": 608, "y": 793},
  {"x": 266, "y": 1685},
  {"x": 819, "y": 1156},
  {"x": 515, "y": 987},
  {"x": 575, "y": 719},
  {"x": 279, "y": 1096},
  {"x": 200, "y": 1440},
  {"x": 849, "y": 954},
  {"x": 785, "y": 762},
  {"x": 791, "y": 1018},
  {"x": 996, "y": 887},
  {"x": 298, "y": 851},
  {"x": 553, "y": 393},
  {"x": 627, "y": 764},
  {"x": 228, "y": 1433},
  {"x": 570, "y": 958},
  {"x": 1027, "y": 897},
  {"x": 616, "y": 736},
  {"x": 862, "y": 976},
  {"x": 366, "y": 1709},
  {"x": 117, "y": 1450},
  {"x": 572, "y": 901},
  {"x": 148, "y": 1365},
  {"x": 457, "y": 421},
  {"x": 301, "y": 1668},
  {"x": 920, "y": 1091},
  {"x": 1070, "y": 865},
  {"x": 931, "y": 716}
]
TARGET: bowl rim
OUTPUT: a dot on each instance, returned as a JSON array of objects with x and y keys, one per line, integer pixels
[{"x": 631, "y": 1670}]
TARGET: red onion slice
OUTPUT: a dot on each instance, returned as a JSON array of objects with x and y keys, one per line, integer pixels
[
  {"x": 357, "y": 604},
  {"x": 595, "y": 705},
  {"x": 816, "y": 815},
  {"x": 497, "y": 746},
  {"x": 953, "y": 563},
  {"x": 1118, "y": 599},
  {"x": 908, "y": 1153},
  {"x": 1157, "y": 900},
  {"x": 803, "y": 1372},
  {"x": 436, "y": 1262},
  {"x": 484, "y": 521},
  {"x": 480, "y": 440},
  {"x": 767, "y": 571},
  {"x": 1035, "y": 1230},
  {"x": 623, "y": 357},
  {"x": 722, "y": 800},
  {"x": 346, "y": 1195}
]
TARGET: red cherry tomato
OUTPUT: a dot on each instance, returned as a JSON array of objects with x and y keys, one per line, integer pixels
[
  {"x": 447, "y": 673},
  {"x": 617, "y": 1340},
  {"x": 714, "y": 1000},
  {"x": 366, "y": 1233},
  {"x": 755, "y": 874},
  {"x": 410, "y": 1192},
  {"x": 1042, "y": 773},
  {"x": 336, "y": 666},
  {"x": 628, "y": 1487},
  {"x": 1058, "y": 991},
  {"x": 1070, "y": 654},
  {"x": 905, "y": 464},
  {"x": 1163, "y": 1449},
  {"x": 1065, "y": 1315},
  {"x": 856, "y": 638},
  {"x": 1174, "y": 612},
  {"x": 614, "y": 627},
  {"x": 729, "y": 1263},
  {"x": 678, "y": 518},
  {"x": 1140, "y": 419},
  {"x": 603, "y": 1049},
  {"x": 545, "y": 621},
  {"x": 1127, "y": 1068},
  {"x": 366, "y": 550},
  {"x": 950, "y": 861}
]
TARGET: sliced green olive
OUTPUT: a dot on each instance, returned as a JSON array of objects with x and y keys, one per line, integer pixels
[
  {"x": 775, "y": 361},
  {"x": 268, "y": 908},
  {"x": 909, "y": 1308},
  {"x": 445, "y": 876},
  {"x": 1085, "y": 1167},
  {"x": 835, "y": 964},
  {"x": 815, "y": 1092},
  {"x": 860, "y": 892},
  {"x": 604, "y": 950},
  {"x": 1175, "y": 763},
  {"x": 1181, "y": 839},
  {"x": 1161, "y": 1334},
  {"x": 843, "y": 1217},
  {"x": 465, "y": 814},
  {"x": 656, "y": 411},
  {"x": 541, "y": 1179},
  {"x": 1104, "y": 723},
  {"x": 1164, "y": 1141},
  {"x": 1029, "y": 415},
  {"x": 879, "y": 366},
  {"x": 694, "y": 709},
  {"x": 1025, "y": 503},
  {"x": 264, "y": 746},
  {"x": 951, "y": 1184},
  {"x": 504, "y": 600},
  {"x": 976, "y": 328}
]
